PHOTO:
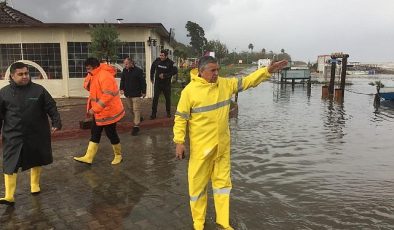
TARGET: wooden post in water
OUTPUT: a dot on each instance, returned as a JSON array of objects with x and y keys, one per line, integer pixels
[
  {"x": 338, "y": 95},
  {"x": 332, "y": 79},
  {"x": 343, "y": 74},
  {"x": 339, "y": 92},
  {"x": 324, "y": 92}
]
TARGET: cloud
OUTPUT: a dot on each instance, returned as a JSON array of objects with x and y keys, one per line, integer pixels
[
  {"x": 172, "y": 14},
  {"x": 304, "y": 28}
]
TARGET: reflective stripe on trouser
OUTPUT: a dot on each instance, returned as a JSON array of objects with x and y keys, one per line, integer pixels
[
  {"x": 199, "y": 173},
  {"x": 134, "y": 104}
]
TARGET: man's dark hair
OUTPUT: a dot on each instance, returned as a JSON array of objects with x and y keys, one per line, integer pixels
[
  {"x": 165, "y": 52},
  {"x": 93, "y": 62},
  {"x": 203, "y": 61},
  {"x": 17, "y": 65}
]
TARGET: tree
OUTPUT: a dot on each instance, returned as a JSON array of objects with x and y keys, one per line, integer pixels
[
  {"x": 197, "y": 37},
  {"x": 251, "y": 47},
  {"x": 105, "y": 42},
  {"x": 271, "y": 55},
  {"x": 181, "y": 50},
  {"x": 263, "y": 53},
  {"x": 284, "y": 56},
  {"x": 219, "y": 48}
]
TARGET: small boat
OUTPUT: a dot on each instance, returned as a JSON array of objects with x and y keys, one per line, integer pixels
[{"x": 387, "y": 93}]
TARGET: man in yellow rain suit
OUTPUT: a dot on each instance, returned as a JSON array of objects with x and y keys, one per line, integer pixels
[{"x": 204, "y": 107}]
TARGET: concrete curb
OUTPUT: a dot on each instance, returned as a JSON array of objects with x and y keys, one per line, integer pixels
[{"x": 122, "y": 127}]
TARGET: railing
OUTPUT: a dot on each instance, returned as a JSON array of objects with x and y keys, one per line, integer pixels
[{"x": 295, "y": 74}]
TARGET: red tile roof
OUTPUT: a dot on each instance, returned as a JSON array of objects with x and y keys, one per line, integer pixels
[{"x": 9, "y": 15}]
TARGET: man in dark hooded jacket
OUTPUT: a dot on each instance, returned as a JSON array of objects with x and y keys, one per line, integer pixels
[
  {"x": 161, "y": 72},
  {"x": 24, "y": 110}
]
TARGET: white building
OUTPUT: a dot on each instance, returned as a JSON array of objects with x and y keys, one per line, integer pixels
[
  {"x": 57, "y": 51},
  {"x": 323, "y": 63}
]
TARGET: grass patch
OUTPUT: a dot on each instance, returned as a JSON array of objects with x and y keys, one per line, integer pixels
[{"x": 231, "y": 70}]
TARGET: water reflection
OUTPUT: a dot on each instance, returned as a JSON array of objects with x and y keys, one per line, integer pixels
[
  {"x": 8, "y": 218},
  {"x": 384, "y": 112},
  {"x": 284, "y": 91},
  {"x": 113, "y": 201},
  {"x": 300, "y": 162},
  {"x": 334, "y": 117}
]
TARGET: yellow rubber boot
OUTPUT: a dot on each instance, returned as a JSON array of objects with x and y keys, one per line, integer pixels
[
  {"x": 118, "y": 154},
  {"x": 35, "y": 174},
  {"x": 199, "y": 211},
  {"x": 222, "y": 207},
  {"x": 10, "y": 186},
  {"x": 90, "y": 153}
]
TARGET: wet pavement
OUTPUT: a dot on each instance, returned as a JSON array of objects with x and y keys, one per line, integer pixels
[{"x": 148, "y": 190}]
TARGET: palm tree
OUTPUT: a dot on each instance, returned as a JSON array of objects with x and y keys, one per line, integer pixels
[{"x": 251, "y": 47}]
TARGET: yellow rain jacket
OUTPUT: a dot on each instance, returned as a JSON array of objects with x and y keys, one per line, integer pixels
[{"x": 204, "y": 107}]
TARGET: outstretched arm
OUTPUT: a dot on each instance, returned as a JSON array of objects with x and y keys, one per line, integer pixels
[
  {"x": 255, "y": 78},
  {"x": 276, "y": 66}
]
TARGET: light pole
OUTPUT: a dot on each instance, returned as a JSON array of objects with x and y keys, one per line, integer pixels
[{"x": 235, "y": 52}]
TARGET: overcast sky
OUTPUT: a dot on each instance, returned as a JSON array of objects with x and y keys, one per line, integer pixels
[{"x": 304, "y": 28}]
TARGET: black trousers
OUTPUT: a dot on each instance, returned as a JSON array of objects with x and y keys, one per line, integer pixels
[
  {"x": 110, "y": 131},
  {"x": 166, "y": 89}
]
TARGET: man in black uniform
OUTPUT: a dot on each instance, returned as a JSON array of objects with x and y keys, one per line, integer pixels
[
  {"x": 24, "y": 110},
  {"x": 160, "y": 74},
  {"x": 133, "y": 86}
]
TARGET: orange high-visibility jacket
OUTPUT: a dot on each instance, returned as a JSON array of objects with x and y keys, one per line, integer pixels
[{"x": 104, "y": 98}]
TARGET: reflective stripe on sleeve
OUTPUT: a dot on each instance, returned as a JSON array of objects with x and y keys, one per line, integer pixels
[
  {"x": 109, "y": 92},
  {"x": 211, "y": 107},
  {"x": 183, "y": 115},
  {"x": 101, "y": 103}
]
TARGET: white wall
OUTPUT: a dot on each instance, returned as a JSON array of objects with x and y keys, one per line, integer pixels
[
  {"x": 53, "y": 86},
  {"x": 73, "y": 87}
]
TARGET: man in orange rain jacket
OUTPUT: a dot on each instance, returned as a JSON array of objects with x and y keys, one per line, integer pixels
[{"x": 104, "y": 106}]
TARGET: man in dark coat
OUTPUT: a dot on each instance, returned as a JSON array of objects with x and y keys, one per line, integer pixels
[
  {"x": 161, "y": 72},
  {"x": 26, "y": 135},
  {"x": 133, "y": 86}
]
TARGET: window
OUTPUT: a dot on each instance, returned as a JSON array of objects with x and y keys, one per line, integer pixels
[
  {"x": 134, "y": 50},
  {"x": 47, "y": 55},
  {"x": 79, "y": 51},
  {"x": 9, "y": 53}
]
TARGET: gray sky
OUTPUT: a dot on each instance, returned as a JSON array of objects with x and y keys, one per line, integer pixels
[{"x": 304, "y": 28}]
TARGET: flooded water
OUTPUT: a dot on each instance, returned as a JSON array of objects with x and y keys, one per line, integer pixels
[{"x": 301, "y": 162}]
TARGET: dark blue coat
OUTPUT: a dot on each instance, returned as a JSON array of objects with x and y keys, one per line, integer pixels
[{"x": 133, "y": 82}]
